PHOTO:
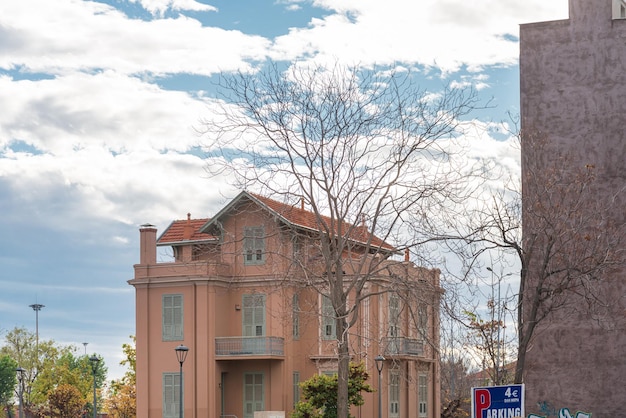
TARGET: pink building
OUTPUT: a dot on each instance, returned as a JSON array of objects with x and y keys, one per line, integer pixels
[
  {"x": 573, "y": 96},
  {"x": 234, "y": 296}
]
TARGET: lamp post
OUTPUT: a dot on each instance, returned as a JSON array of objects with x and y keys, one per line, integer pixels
[
  {"x": 94, "y": 366},
  {"x": 37, "y": 307},
  {"x": 379, "y": 366},
  {"x": 20, "y": 379},
  {"x": 181, "y": 355}
]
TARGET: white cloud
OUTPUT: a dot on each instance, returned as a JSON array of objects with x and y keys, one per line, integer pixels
[
  {"x": 446, "y": 34},
  {"x": 68, "y": 35},
  {"x": 92, "y": 146},
  {"x": 158, "y": 7}
]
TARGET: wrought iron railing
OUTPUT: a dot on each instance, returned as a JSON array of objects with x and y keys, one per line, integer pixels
[
  {"x": 249, "y": 346},
  {"x": 403, "y": 346}
]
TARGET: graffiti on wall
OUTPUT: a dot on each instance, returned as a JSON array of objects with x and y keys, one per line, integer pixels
[{"x": 563, "y": 413}]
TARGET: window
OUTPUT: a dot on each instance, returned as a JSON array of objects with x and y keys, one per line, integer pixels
[
  {"x": 253, "y": 315},
  {"x": 422, "y": 394},
  {"x": 254, "y": 245},
  {"x": 422, "y": 324},
  {"x": 296, "y": 388},
  {"x": 394, "y": 393},
  {"x": 252, "y": 394},
  {"x": 329, "y": 324},
  {"x": 619, "y": 9},
  {"x": 253, "y": 323},
  {"x": 394, "y": 320},
  {"x": 172, "y": 317},
  {"x": 295, "y": 317},
  {"x": 171, "y": 393}
]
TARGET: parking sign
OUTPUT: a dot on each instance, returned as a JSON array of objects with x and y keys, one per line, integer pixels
[{"x": 498, "y": 401}]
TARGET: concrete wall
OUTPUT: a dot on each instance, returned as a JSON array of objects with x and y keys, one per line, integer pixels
[{"x": 573, "y": 94}]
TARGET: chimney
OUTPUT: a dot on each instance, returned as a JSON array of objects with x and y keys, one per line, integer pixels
[
  {"x": 147, "y": 244},
  {"x": 406, "y": 255},
  {"x": 188, "y": 229},
  {"x": 302, "y": 203}
]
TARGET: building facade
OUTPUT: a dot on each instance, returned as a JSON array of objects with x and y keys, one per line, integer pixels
[
  {"x": 235, "y": 294},
  {"x": 573, "y": 101}
]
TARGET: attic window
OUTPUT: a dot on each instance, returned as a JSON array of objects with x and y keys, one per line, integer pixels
[
  {"x": 254, "y": 245},
  {"x": 619, "y": 9}
]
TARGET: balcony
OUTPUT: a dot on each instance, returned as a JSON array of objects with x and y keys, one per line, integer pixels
[
  {"x": 169, "y": 271},
  {"x": 249, "y": 347},
  {"x": 402, "y": 346}
]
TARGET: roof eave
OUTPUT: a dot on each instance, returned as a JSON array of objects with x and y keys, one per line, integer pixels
[{"x": 187, "y": 242}]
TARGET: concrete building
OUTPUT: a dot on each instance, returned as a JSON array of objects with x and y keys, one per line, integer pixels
[
  {"x": 573, "y": 102},
  {"x": 233, "y": 295}
]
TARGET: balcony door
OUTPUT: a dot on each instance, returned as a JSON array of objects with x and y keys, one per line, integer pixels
[
  {"x": 253, "y": 396},
  {"x": 253, "y": 323}
]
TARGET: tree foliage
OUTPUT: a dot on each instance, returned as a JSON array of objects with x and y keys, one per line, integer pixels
[
  {"x": 320, "y": 393},
  {"x": 65, "y": 401},
  {"x": 49, "y": 366},
  {"x": 8, "y": 379},
  {"x": 122, "y": 399}
]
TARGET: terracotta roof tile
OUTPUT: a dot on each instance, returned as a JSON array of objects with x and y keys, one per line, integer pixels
[
  {"x": 184, "y": 231},
  {"x": 306, "y": 219},
  {"x": 189, "y": 230}
]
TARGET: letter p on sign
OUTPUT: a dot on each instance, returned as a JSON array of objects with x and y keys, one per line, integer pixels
[{"x": 482, "y": 402}]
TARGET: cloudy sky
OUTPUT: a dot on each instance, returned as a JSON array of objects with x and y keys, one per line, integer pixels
[{"x": 99, "y": 101}]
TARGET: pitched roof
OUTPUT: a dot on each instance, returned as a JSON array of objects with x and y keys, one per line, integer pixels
[
  {"x": 185, "y": 231},
  {"x": 301, "y": 218}
]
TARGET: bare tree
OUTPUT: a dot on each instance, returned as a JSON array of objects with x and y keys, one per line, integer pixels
[
  {"x": 570, "y": 241},
  {"x": 359, "y": 147}
]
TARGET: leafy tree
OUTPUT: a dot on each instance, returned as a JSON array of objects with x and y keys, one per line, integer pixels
[
  {"x": 122, "y": 399},
  {"x": 65, "y": 401},
  {"x": 320, "y": 393},
  {"x": 20, "y": 345},
  {"x": 357, "y": 147},
  {"x": 54, "y": 365},
  {"x": 8, "y": 379}
]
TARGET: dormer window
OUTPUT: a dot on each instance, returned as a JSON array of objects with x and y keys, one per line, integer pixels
[
  {"x": 254, "y": 245},
  {"x": 619, "y": 9}
]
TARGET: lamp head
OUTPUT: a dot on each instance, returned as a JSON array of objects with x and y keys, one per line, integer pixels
[
  {"x": 94, "y": 362},
  {"x": 181, "y": 353},
  {"x": 379, "y": 362}
]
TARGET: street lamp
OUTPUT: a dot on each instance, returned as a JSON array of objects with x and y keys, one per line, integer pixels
[
  {"x": 37, "y": 307},
  {"x": 181, "y": 355},
  {"x": 94, "y": 366},
  {"x": 20, "y": 379},
  {"x": 379, "y": 366}
]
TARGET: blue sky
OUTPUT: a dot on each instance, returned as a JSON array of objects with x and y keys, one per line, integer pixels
[{"x": 100, "y": 99}]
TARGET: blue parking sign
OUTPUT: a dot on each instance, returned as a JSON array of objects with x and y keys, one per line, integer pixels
[{"x": 498, "y": 401}]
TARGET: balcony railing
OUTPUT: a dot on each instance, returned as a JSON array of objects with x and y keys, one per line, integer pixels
[
  {"x": 249, "y": 346},
  {"x": 403, "y": 346}
]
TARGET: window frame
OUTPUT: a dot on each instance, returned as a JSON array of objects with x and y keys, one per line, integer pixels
[
  {"x": 295, "y": 313},
  {"x": 253, "y": 386},
  {"x": 394, "y": 393},
  {"x": 174, "y": 330},
  {"x": 328, "y": 320},
  {"x": 254, "y": 245},
  {"x": 171, "y": 390},
  {"x": 422, "y": 395}
]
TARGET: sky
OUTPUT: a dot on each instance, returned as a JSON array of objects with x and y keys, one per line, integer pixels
[{"x": 100, "y": 102}]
